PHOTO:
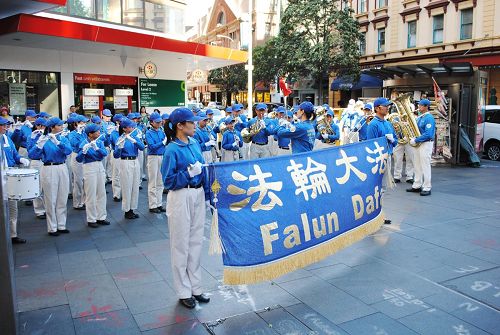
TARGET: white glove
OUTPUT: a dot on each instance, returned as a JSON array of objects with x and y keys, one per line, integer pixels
[
  {"x": 390, "y": 137},
  {"x": 17, "y": 125},
  {"x": 325, "y": 136},
  {"x": 210, "y": 143},
  {"x": 110, "y": 129},
  {"x": 41, "y": 141},
  {"x": 412, "y": 142},
  {"x": 131, "y": 139},
  {"x": 164, "y": 141},
  {"x": 28, "y": 123},
  {"x": 80, "y": 128},
  {"x": 235, "y": 144},
  {"x": 25, "y": 162},
  {"x": 194, "y": 169},
  {"x": 120, "y": 144},
  {"x": 262, "y": 123},
  {"x": 54, "y": 139},
  {"x": 292, "y": 128},
  {"x": 86, "y": 148},
  {"x": 36, "y": 133},
  {"x": 283, "y": 122},
  {"x": 94, "y": 145}
]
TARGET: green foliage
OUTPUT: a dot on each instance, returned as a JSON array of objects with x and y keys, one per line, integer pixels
[
  {"x": 229, "y": 79},
  {"x": 267, "y": 64}
]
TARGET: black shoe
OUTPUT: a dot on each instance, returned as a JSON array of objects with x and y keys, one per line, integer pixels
[
  {"x": 28, "y": 203},
  {"x": 410, "y": 181},
  {"x": 103, "y": 222},
  {"x": 155, "y": 210},
  {"x": 92, "y": 224},
  {"x": 18, "y": 240},
  {"x": 140, "y": 187},
  {"x": 131, "y": 215},
  {"x": 424, "y": 193},
  {"x": 107, "y": 192},
  {"x": 163, "y": 210},
  {"x": 115, "y": 199},
  {"x": 165, "y": 191},
  {"x": 82, "y": 208},
  {"x": 397, "y": 180},
  {"x": 414, "y": 190},
  {"x": 144, "y": 179},
  {"x": 63, "y": 231},
  {"x": 386, "y": 221},
  {"x": 70, "y": 196},
  {"x": 189, "y": 303},
  {"x": 202, "y": 298},
  {"x": 42, "y": 216},
  {"x": 53, "y": 233},
  {"x": 108, "y": 182}
]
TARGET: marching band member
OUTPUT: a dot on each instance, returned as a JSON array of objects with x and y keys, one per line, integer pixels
[
  {"x": 284, "y": 147},
  {"x": 423, "y": 153},
  {"x": 301, "y": 134},
  {"x": 212, "y": 135},
  {"x": 260, "y": 143},
  {"x": 379, "y": 127},
  {"x": 107, "y": 124},
  {"x": 328, "y": 140},
  {"x": 127, "y": 148},
  {"x": 156, "y": 141},
  {"x": 362, "y": 125},
  {"x": 92, "y": 152},
  {"x": 188, "y": 187},
  {"x": 23, "y": 130},
  {"x": 231, "y": 142},
  {"x": 280, "y": 115},
  {"x": 76, "y": 137},
  {"x": 53, "y": 149},
  {"x": 140, "y": 133},
  {"x": 38, "y": 128},
  {"x": 203, "y": 136},
  {"x": 347, "y": 121},
  {"x": 12, "y": 158},
  {"x": 241, "y": 123},
  {"x": 115, "y": 162},
  {"x": 44, "y": 115}
]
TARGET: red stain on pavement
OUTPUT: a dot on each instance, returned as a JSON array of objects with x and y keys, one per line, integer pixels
[
  {"x": 94, "y": 310},
  {"x": 488, "y": 243},
  {"x": 133, "y": 273}
]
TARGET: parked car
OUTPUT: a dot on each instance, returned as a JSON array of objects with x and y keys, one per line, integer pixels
[
  {"x": 491, "y": 137},
  {"x": 193, "y": 104},
  {"x": 215, "y": 105}
]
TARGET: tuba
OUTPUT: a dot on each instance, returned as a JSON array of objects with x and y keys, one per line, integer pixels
[
  {"x": 403, "y": 120},
  {"x": 324, "y": 127},
  {"x": 248, "y": 133}
]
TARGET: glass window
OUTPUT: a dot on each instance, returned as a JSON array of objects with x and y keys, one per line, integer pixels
[
  {"x": 492, "y": 116},
  {"x": 362, "y": 44},
  {"x": 221, "y": 18},
  {"x": 83, "y": 8},
  {"x": 133, "y": 12},
  {"x": 109, "y": 10},
  {"x": 361, "y": 6},
  {"x": 412, "y": 34},
  {"x": 437, "y": 28},
  {"x": 381, "y": 3},
  {"x": 466, "y": 24},
  {"x": 381, "y": 40},
  {"x": 155, "y": 16}
]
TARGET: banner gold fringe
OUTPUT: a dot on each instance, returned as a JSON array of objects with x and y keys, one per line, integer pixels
[
  {"x": 268, "y": 271},
  {"x": 215, "y": 247}
]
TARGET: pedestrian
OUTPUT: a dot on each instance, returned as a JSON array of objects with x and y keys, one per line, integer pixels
[
  {"x": 76, "y": 136},
  {"x": 4, "y": 112},
  {"x": 187, "y": 182},
  {"x": 156, "y": 142},
  {"x": 301, "y": 134}
]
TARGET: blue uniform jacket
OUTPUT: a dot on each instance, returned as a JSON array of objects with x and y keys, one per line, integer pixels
[
  {"x": 176, "y": 159},
  {"x": 331, "y": 138},
  {"x": 427, "y": 127},
  {"x": 243, "y": 124},
  {"x": 113, "y": 137},
  {"x": 75, "y": 138},
  {"x": 302, "y": 137},
  {"x": 262, "y": 135},
  {"x": 379, "y": 128},
  {"x": 32, "y": 140},
  {"x": 51, "y": 153},
  {"x": 11, "y": 153},
  {"x": 21, "y": 136},
  {"x": 92, "y": 155},
  {"x": 154, "y": 139},
  {"x": 129, "y": 149},
  {"x": 202, "y": 136},
  {"x": 228, "y": 139}
]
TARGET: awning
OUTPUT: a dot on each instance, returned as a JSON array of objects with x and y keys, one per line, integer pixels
[
  {"x": 480, "y": 60},
  {"x": 389, "y": 72},
  {"x": 365, "y": 80}
]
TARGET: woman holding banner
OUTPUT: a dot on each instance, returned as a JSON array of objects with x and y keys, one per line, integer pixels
[
  {"x": 187, "y": 182},
  {"x": 301, "y": 134}
]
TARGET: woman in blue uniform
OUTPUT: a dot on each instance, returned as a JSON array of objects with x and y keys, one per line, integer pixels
[
  {"x": 231, "y": 142},
  {"x": 301, "y": 134},
  {"x": 187, "y": 182},
  {"x": 76, "y": 137},
  {"x": 156, "y": 141}
]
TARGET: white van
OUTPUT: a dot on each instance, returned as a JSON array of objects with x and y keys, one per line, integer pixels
[{"x": 491, "y": 137}]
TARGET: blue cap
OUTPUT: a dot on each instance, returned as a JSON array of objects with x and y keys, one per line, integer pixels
[
  {"x": 73, "y": 114},
  {"x": 424, "y": 102},
  {"x": 368, "y": 106},
  {"x": 125, "y": 123},
  {"x": 196, "y": 110},
  {"x": 44, "y": 114},
  {"x": 91, "y": 128},
  {"x": 182, "y": 114},
  {"x": 307, "y": 107},
  {"x": 326, "y": 106},
  {"x": 289, "y": 114},
  {"x": 40, "y": 122},
  {"x": 236, "y": 107},
  {"x": 96, "y": 119},
  {"x": 381, "y": 102},
  {"x": 281, "y": 109},
  {"x": 106, "y": 112},
  {"x": 165, "y": 116},
  {"x": 202, "y": 116},
  {"x": 31, "y": 113},
  {"x": 4, "y": 121},
  {"x": 71, "y": 119},
  {"x": 229, "y": 109},
  {"x": 117, "y": 117},
  {"x": 295, "y": 109},
  {"x": 155, "y": 117},
  {"x": 330, "y": 112},
  {"x": 209, "y": 112},
  {"x": 260, "y": 106},
  {"x": 131, "y": 116},
  {"x": 81, "y": 118},
  {"x": 229, "y": 119},
  {"x": 54, "y": 121}
]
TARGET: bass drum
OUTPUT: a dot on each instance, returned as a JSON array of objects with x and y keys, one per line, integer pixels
[{"x": 23, "y": 184}]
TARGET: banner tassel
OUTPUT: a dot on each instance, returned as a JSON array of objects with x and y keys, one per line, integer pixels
[
  {"x": 216, "y": 247},
  {"x": 389, "y": 180}
]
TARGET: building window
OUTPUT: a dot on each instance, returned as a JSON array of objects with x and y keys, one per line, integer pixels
[
  {"x": 437, "y": 29},
  {"x": 109, "y": 10},
  {"x": 466, "y": 24},
  {"x": 362, "y": 44},
  {"x": 221, "y": 18},
  {"x": 381, "y": 40},
  {"x": 381, "y": 3},
  {"x": 361, "y": 6},
  {"x": 412, "y": 34}
]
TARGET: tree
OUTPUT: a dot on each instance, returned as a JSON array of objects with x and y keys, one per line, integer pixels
[
  {"x": 229, "y": 79},
  {"x": 318, "y": 38},
  {"x": 267, "y": 63}
]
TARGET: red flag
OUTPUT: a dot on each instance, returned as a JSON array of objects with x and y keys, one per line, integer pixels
[
  {"x": 441, "y": 102},
  {"x": 284, "y": 87}
]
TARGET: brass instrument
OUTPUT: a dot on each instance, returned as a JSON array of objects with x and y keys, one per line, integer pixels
[
  {"x": 222, "y": 127},
  {"x": 404, "y": 121},
  {"x": 324, "y": 127},
  {"x": 248, "y": 133}
]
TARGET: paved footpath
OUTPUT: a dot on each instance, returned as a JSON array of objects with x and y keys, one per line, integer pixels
[{"x": 435, "y": 270}]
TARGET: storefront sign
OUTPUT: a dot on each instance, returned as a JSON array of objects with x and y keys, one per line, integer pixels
[
  {"x": 88, "y": 78},
  {"x": 90, "y": 102},
  {"x": 93, "y": 91},
  {"x": 161, "y": 93},
  {"x": 150, "y": 70},
  {"x": 17, "y": 99},
  {"x": 123, "y": 92},
  {"x": 120, "y": 102}
]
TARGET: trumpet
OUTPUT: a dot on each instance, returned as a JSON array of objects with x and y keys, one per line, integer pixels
[
  {"x": 248, "y": 133},
  {"x": 403, "y": 121}
]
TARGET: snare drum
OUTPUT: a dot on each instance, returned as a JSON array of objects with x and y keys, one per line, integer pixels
[{"x": 23, "y": 184}]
